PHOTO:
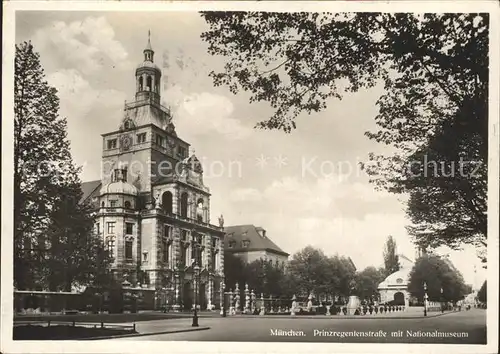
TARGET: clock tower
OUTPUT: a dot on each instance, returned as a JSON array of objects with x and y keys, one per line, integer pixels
[{"x": 153, "y": 208}]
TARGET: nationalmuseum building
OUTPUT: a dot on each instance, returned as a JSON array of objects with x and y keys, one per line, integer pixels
[{"x": 151, "y": 205}]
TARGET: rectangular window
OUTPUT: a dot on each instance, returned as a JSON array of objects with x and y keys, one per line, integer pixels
[
  {"x": 112, "y": 143},
  {"x": 128, "y": 249},
  {"x": 165, "y": 249},
  {"x": 214, "y": 259},
  {"x": 166, "y": 231},
  {"x": 184, "y": 235},
  {"x": 97, "y": 228},
  {"x": 181, "y": 151},
  {"x": 145, "y": 257},
  {"x": 214, "y": 242},
  {"x": 184, "y": 255},
  {"x": 141, "y": 138},
  {"x": 129, "y": 228},
  {"x": 112, "y": 203},
  {"x": 159, "y": 140},
  {"x": 111, "y": 227},
  {"x": 111, "y": 247}
]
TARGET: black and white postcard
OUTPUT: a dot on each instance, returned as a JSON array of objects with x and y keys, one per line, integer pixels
[{"x": 249, "y": 177}]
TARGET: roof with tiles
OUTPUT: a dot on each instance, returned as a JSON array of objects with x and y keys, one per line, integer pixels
[{"x": 255, "y": 237}]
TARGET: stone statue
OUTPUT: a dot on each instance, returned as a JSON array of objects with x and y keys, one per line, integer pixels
[
  {"x": 309, "y": 303},
  {"x": 157, "y": 201},
  {"x": 221, "y": 220},
  {"x": 294, "y": 305}
]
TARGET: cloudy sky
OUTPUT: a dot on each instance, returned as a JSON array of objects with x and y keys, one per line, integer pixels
[{"x": 305, "y": 188}]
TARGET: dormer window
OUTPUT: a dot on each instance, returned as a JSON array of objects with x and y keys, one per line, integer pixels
[
  {"x": 231, "y": 244},
  {"x": 245, "y": 243}
]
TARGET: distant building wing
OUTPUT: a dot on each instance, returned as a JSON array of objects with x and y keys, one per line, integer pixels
[
  {"x": 245, "y": 238},
  {"x": 90, "y": 189}
]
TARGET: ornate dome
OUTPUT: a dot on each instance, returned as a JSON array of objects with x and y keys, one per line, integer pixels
[
  {"x": 119, "y": 187},
  {"x": 148, "y": 64}
]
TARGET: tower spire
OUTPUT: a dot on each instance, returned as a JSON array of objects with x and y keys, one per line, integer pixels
[{"x": 148, "y": 52}]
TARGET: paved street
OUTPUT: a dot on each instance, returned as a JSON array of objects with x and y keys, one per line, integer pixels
[{"x": 468, "y": 327}]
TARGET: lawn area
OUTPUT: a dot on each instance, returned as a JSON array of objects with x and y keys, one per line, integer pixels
[
  {"x": 104, "y": 317},
  {"x": 113, "y": 318},
  {"x": 64, "y": 332}
]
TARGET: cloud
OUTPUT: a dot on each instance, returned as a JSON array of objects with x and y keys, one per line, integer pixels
[
  {"x": 202, "y": 114},
  {"x": 88, "y": 45},
  {"x": 245, "y": 195},
  {"x": 78, "y": 97},
  {"x": 89, "y": 111}
]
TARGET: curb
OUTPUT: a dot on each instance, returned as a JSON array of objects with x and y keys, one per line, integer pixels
[
  {"x": 194, "y": 329},
  {"x": 343, "y": 317}
]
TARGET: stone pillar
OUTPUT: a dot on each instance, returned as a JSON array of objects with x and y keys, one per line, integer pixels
[
  {"x": 177, "y": 305},
  {"x": 231, "y": 307},
  {"x": 237, "y": 297},
  {"x": 247, "y": 299},
  {"x": 222, "y": 285},
  {"x": 221, "y": 256},
  {"x": 262, "y": 305},
  {"x": 252, "y": 296},
  {"x": 210, "y": 285}
]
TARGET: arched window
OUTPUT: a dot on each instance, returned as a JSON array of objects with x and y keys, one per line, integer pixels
[
  {"x": 141, "y": 83},
  {"x": 199, "y": 210},
  {"x": 184, "y": 204},
  {"x": 166, "y": 202},
  {"x": 148, "y": 83},
  {"x": 127, "y": 204}
]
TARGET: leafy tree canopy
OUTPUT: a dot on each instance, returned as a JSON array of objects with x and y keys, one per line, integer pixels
[
  {"x": 391, "y": 259},
  {"x": 433, "y": 113},
  {"x": 482, "y": 293},
  {"x": 437, "y": 274},
  {"x": 54, "y": 244},
  {"x": 367, "y": 282}
]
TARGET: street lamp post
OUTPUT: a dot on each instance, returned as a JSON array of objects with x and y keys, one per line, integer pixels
[
  {"x": 196, "y": 280},
  {"x": 425, "y": 298},
  {"x": 176, "y": 286},
  {"x": 222, "y": 305},
  {"x": 442, "y": 301}
]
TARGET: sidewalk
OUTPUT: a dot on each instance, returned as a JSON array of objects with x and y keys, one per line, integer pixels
[{"x": 156, "y": 327}]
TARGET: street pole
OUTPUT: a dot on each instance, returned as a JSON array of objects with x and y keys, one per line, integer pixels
[
  {"x": 442, "y": 301},
  {"x": 425, "y": 299},
  {"x": 195, "y": 314},
  {"x": 222, "y": 307}
]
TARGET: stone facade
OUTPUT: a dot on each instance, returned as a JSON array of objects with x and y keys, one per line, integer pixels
[
  {"x": 152, "y": 208},
  {"x": 395, "y": 286}
]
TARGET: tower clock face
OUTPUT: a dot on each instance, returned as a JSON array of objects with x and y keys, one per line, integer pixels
[{"x": 126, "y": 142}]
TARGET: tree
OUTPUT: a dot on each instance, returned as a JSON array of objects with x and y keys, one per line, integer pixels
[
  {"x": 308, "y": 269},
  {"x": 437, "y": 274},
  {"x": 434, "y": 68},
  {"x": 367, "y": 282},
  {"x": 234, "y": 270},
  {"x": 482, "y": 293},
  {"x": 53, "y": 242},
  {"x": 391, "y": 259}
]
